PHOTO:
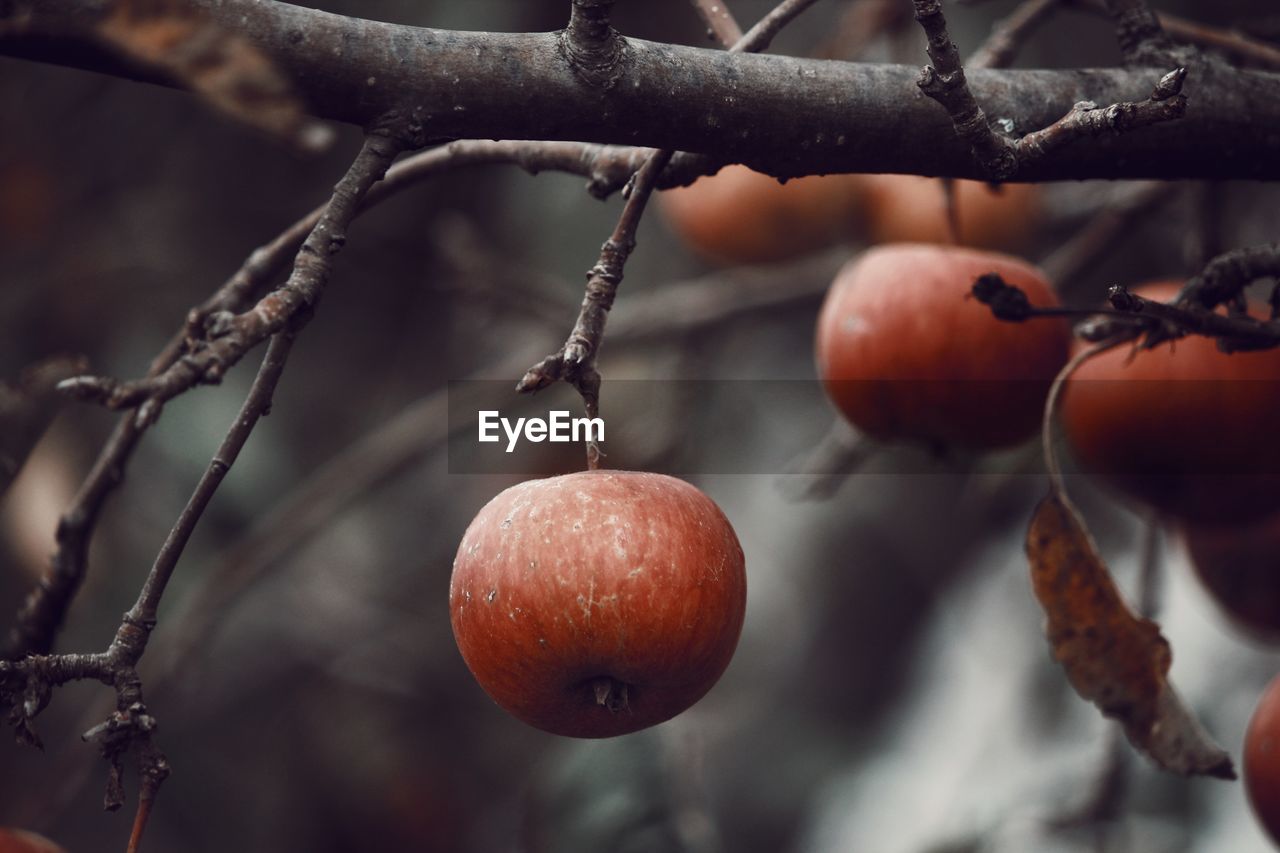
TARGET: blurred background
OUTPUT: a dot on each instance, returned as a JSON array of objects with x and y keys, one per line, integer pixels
[{"x": 892, "y": 691}]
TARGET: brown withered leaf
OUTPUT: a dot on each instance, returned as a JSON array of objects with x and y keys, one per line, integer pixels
[
  {"x": 1113, "y": 658},
  {"x": 222, "y": 66}
]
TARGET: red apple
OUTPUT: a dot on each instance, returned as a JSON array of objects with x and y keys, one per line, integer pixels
[
  {"x": 598, "y": 603},
  {"x": 21, "y": 841},
  {"x": 906, "y": 353},
  {"x": 1262, "y": 760}
]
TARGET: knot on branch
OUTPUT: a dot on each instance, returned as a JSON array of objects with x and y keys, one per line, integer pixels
[
  {"x": 129, "y": 729},
  {"x": 405, "y": 129},
  {"x": 592, "y": 48}
]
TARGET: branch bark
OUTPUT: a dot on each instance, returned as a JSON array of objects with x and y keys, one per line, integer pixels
[{"x": 773, "y": 113}]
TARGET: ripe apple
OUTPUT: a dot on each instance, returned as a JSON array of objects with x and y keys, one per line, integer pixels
[
  {"x": 1239, "y": 567},
  {"x": 1183, "y": 428},
  {"x": 1262, "y": 760},
  {"x": 912, "y": 209},
  {"x": 598, "y": 603},
  {"x": 21, "y": 841},
  {"x": 905, "y": 352},
  {"x": 739, "y": 216}
]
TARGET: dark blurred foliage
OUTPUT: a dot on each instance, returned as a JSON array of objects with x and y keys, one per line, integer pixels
[{"x": 892, "y": 691}]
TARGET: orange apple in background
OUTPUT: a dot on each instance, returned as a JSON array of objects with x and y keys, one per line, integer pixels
[
  {"x": 1240, "y": 569},
  {"x": 21, "y": 841},
  {"x": 1183, "y": 428},
  {"x": 598, "y": 603},
  {"x": 905, "y": 352},
  {"x": 1262, "y": 761},
  {"x": 912, "y": 209},
  {"x": 740, "y": 216}
]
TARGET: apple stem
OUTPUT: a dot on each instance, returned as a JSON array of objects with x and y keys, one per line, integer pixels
[{"x": 610, "y": 693}]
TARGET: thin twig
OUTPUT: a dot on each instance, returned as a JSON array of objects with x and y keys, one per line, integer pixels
[
  {"x": 1112, "y": 224},
  {"x": 1234, "y": 44},
  {"x": 1086, "y": 119},
  {"x": 944, "y": 82},
  {"x": 1008, "y": 35},
  {"x": 25, "y": 684},
  {"x": 1149, "y": 568},
  {"x": 1143, "y": 41},
  {"x": 575, "y": 362},
  {"x": 721, "y": 25},
  {"x": 999, "y": 156},
  {"x": 819, "y": 472},
  {"x": 227, "y": 336}
]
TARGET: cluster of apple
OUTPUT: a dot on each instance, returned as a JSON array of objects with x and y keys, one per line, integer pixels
[{"x": 599, "y": 603}]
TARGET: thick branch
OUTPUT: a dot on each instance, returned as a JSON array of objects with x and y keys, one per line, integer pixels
[{"x": 772, "y": 113}]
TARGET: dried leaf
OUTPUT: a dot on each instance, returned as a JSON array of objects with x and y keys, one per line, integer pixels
[
  {"x": 222, "y": 66},
  {"x": 1113, "y": 658}
]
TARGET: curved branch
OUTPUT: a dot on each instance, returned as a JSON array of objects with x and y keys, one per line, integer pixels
[{"x": 781, "y": 115}]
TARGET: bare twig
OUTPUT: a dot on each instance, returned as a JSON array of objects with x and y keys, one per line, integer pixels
[
  {"x": 1192, "y": 312},
  {"x": 1006, "y": 38},
  {"x": 999, "y": 156},
  {"x": 1148, "y": 596},
  {"x": 229, "y": 336},
  {"x": 25, "y": 684},
  {"x": 819, "y": 472},
  {"x": 759, "y": 37},
  {"x": 575, "y": 362},
  {"x": 1087, "y": 119},
  {"x": 1103, "y": 231},
  {"x": 944, "y": 81},
  {"x": 721, "y": 25},
  {"x": 1236, "y": 45}
]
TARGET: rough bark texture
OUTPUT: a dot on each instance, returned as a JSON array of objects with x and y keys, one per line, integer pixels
[{"x": 780, "y": 114}]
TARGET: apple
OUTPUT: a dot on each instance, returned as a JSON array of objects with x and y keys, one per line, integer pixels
[
  {"x": 1183, "y": 428},
  {"x": 906, "y": 353},
  {"x": 912, "y": 209},
  {"x": 598, "y": 603},
  {"x": 21, "y": 841},
  {"x": 1262, "y": 760},
  {"x": 1239, "y": 566},
  {"x": 739, "y": 216}
]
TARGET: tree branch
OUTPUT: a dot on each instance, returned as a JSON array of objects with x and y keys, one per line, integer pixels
[
  {"x": 721, "y": 25},
  {"x": 1007, "y": 36},
  {"x": 772, "y": 113},
  {"x": 1142, "y": 39},
  {"x": 226, "y": 336},
  {"x": 575, "y": 362}
]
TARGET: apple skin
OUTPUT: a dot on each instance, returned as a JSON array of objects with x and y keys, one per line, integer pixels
[
  {"x": 912, "y": 209},
  {"x": 1239, "y": 568},
  {"x": 21, "y": 841},
  {"x": 1183, "y": 428},
  {"x": 1262, "y": 760},
  {"x": 906, "y": 353},
  {"x": 598, "y": 603},
  {"x": 740, "y": 216}
]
